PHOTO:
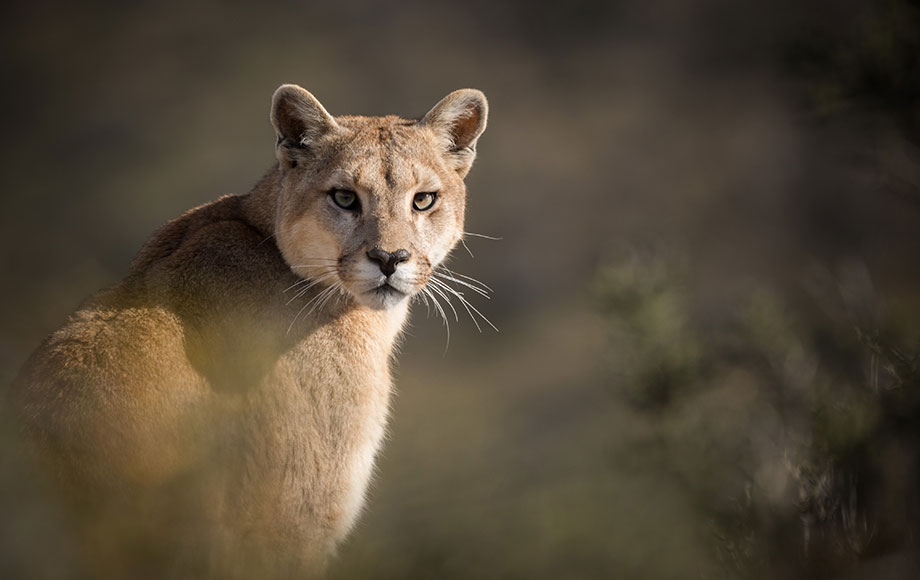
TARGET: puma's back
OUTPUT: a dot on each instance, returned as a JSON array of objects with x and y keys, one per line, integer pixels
[{"x": 217, "y": 412}]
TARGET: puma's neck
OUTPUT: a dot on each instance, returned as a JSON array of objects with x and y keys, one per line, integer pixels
[
  {"x": 368, "y": 334},
  {"x": 259, "y": 204}
]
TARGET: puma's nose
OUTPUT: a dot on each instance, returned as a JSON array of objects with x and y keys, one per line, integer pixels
[{"x": 388, "y": 260}]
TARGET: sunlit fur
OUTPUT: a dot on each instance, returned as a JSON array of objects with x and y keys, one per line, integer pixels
[
  {"x": 217, "y": 412},
  {"x": 386, "y": 163}
]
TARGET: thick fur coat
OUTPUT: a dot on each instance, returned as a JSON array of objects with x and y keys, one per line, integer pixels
[{"x": 217, "y": 412}]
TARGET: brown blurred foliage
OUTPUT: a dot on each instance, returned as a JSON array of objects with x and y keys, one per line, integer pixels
[{"x": 707, "y": 283}]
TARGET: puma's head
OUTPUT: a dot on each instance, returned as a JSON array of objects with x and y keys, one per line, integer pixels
[{"x": 372, "y": 204}]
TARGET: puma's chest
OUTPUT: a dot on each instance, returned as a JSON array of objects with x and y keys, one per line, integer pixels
[{"x": 318, "y": 420}]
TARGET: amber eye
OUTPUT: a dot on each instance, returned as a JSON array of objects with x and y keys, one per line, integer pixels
[
  {"x": 344, "y": 199},
  {"x": 424, "y": 201}
]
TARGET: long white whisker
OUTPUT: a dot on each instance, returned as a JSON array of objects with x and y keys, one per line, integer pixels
[
  {"x": 302, "y": 292},
  {"x": 441, "y": 312},
  {"x": 475, "y": 289},
  {"x": 323, "y": 296},
  {"x": 466, "y": 304},
  {"x": 326, "y": 261},
  {"x": 467, "y": 248},
  {"x": 465, "y": 277},
  {"x": 463, "y": 303},
  {"x": 319, "y": 306},
  {"x": 304, "y": 307},
  {"x": 306, "y": 280},
  {"x": 435, "y": 287},
  {"x": 481, "y": 315},
  {"x": 343, "y": 295},
  {"x": 424, "y": 298},
  {"x": 297, "y": 283},
  {"x": 307, "y": 288},
  {"x": 482, "y": 236}
]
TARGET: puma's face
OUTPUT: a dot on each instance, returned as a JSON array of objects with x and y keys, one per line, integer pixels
[
  {"x": 371, "y": 205},
  {"x": 380, "y": 215}
]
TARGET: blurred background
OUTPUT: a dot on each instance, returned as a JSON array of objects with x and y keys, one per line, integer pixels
[{"x": 707, "y": 284}]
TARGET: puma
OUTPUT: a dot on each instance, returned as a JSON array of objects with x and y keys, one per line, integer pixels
[{"x": 217, "y": 412}]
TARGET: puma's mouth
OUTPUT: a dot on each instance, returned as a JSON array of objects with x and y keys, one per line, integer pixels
[
  {"x": 383, "y": 296},
  {"x": 386, "y": 290},
  {"x": 374, "y": 288}
]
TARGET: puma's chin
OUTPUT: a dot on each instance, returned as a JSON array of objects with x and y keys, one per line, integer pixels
[{"x": 382, "y": 296}]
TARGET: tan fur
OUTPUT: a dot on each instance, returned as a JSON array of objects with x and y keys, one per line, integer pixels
[{"x": 200, "y": 418}]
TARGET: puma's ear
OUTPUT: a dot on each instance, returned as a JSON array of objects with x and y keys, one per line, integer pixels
[
  {"x": 459, "y": 119},
  {"x": 298, "y": 118}
]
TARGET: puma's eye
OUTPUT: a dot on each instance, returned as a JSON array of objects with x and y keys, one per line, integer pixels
[
  {"x": 344, "y": 199},
  {"x": 424, "y": 201}
]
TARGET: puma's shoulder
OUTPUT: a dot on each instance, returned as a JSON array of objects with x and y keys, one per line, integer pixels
[{"x": 179, "y": 231}]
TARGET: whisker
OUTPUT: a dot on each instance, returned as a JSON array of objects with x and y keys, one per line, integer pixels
[
  {"x": 316, "y": 260},
  {"x": 482, "y": 236},
  {"x": 467, "y": 304},
  {"x": 424, "y": 298},
  {"x": 343, "y": 295},
  {"x": 436, "y": 289},
  {"x": 476, "y": 310},
  {"x": 305, "y": 280},
  {"x": 467, "y": 248},
  {"x": 475, "y": 289},
  {"x": 441, "y": 312},
  {"x": 465, "y": 277},
  {"x": 296, "y": 284},
  {"x": 462, "y": 303},
  {"x": 303, "y": 291},
  {"x": 306, "y": 289},
  {"x": 319, "y": 307},
  {"x": 324, "y": 296},
  {"x": 311, "y": 301}
]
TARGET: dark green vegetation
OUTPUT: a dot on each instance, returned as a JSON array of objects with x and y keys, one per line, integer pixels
[{"x": 707, "y": 288}]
